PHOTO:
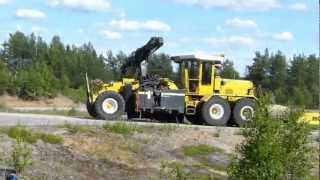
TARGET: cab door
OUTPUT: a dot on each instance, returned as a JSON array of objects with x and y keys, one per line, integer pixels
[
  {"x": 206, "y": 77},
  {"x": 192, "y": 79}
]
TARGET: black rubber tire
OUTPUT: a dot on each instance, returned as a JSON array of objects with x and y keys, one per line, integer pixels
[
  {"x": 127, "y": 92},
  {"x": 130, "y": 99},
  {"x": 237, "y": 110},
  {"x": 205, "y": 111},
  {"x": 194, "y": 119},
  {"x": 91, "y": 110},
  {"x": 99, "y": 109}
]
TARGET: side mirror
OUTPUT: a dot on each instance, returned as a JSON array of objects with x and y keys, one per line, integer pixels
[{"x": 218, "y": 66}]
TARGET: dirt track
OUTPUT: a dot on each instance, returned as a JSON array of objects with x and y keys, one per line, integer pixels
[{"x": 12, "y": 119}]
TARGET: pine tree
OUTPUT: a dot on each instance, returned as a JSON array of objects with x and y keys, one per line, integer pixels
[{"x": 228, "y": 70}]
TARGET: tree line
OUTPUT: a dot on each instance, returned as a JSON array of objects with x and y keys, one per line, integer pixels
[
  {"x": 294, "y": 81},
  {"x": 32, "y": 68}
]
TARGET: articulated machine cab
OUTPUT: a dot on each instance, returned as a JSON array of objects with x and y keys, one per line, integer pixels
[{"x": 204, "y": 97}]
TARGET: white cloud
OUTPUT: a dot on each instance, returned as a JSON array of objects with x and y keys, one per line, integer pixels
[
  {"x": 298, "y": 7},
  {"x": 85, "y": 5},
  {"x": 4, "y": 2},
  {"x": 125, "y": 25},
  {"x": 231, "y": 41},
  {"x": 151, "y": 25},
  {"x": 30, "y": 14},
  {"x": 241, "y": 23},
  {"x": 111, "y": 35},
  {"x": 283, "y": 36},
  {"x": 256, "y": 5}
]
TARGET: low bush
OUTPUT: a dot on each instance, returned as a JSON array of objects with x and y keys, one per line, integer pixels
[
  {"x": 21, "y": 156},
  {"x": 274, "y": 147},
  {"x": 77, "y": 95}
]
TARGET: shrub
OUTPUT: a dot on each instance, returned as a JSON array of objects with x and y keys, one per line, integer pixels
[
  {"x": 6, "y": 78},
  {"x": 274, "y": 148},
  {"x": 77, "y": 95},
  {"x": 21, "y": 156},
  {"x": 37, "y": 81},
  {"x": 20, "y": 132}
]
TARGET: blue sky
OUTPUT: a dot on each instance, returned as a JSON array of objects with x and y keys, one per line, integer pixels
[{"x": 236, "y": 28}]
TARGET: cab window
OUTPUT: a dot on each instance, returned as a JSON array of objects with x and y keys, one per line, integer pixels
[
  {"x": 206, "y": 73},
  {"x": 193, "y": 69}
]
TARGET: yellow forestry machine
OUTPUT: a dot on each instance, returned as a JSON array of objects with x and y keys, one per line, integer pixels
[{"x": 204, "y": 97}]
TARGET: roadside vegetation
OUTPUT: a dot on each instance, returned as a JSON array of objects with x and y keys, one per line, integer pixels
[
  {"x": 21, "y": 156},
  {"x": 21, "y": 133},
  {"x": 200, "y": 150},
  {"x": 274, "y": 147},
  {"x": 123, "y": 128}
]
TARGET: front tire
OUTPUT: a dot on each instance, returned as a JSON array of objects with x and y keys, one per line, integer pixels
[
  {"x": 243, "y": 111},
  {"x": 110, "y": 106},
  {"x": 216, "y": 111}
]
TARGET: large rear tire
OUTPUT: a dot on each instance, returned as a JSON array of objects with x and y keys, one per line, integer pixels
[
  {"x": 216, "y": 111},
  {"x": 110, "y": 106},
  {"x": 243, "y": 111}
]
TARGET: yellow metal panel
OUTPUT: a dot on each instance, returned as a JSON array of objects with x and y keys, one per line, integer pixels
[{"x": 312, "y": 118}]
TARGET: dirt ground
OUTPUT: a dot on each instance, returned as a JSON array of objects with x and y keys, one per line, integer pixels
[
  {"x": 59, "y": 101},
  {"x": 96, "y": 153},
  {"x": 130, "y": 152}
]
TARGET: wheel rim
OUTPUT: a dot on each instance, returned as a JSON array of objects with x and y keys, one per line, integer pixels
[
  {"x": 216, "y": 111},
  {"x": 247, "y": 113},
  {"x": 110, "y": 106}
]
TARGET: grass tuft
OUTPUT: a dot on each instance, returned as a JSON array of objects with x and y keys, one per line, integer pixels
[
  {"x": 122, "y": 128},
  {"x": 201, "y": 150},
  {"x": 50, "y": 138},
  {"x": 22, "y": 133},
  {"x": 77, "y": 129}
]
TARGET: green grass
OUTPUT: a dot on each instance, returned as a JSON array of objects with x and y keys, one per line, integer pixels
[
  {"x": 50, "y": 138},
  {"x": 78, "y": 129},
  {"x": 122, "y": 128},
  {"x": 76, "y": 95},
  {"x": 200, "y": 150},
  {"x": 179, "y": 171},
  {"x": 314, "y": 127},
  {"x": 21, "y": 132}
]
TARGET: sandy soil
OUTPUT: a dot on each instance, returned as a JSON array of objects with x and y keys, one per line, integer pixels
[{"x": 59, "y": 101}]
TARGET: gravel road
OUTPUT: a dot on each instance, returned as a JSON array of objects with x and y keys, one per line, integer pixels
[{"x": 12, "y": 119}]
